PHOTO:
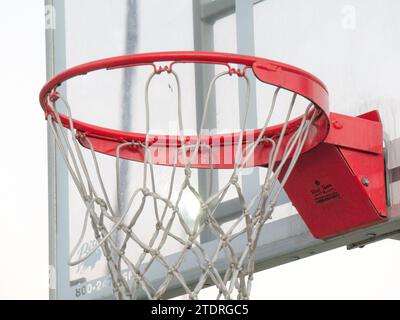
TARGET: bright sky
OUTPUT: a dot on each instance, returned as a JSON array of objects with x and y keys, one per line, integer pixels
[
  {"x": 340, "y": 274},
  {"x": 23, "y": 169}
]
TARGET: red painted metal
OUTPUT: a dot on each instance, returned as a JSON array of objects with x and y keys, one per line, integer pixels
[
  {"x": 326, "y": 185},
  {"x": 222, "y": 147},
  {"x": 365, "y": 135}
]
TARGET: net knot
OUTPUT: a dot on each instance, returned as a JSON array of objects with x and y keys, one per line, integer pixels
[
  {"x": 171, "y": 270},
  {"x": 101, "y": 202},
  {"x": 108, "y": 257},
  {"x": 158, "y": 225},
  {"x": 225, "y": 241},
  {"x": 146, "y": 192},
  {"x": 155, "y": 253},
  {"x": 265, "y": 187},
  {"x": 234, "y": 179},
  {"x": 271, "y": 207},
  {"x": 193, "y": 296},
  {"x": 188, "y": 172}
]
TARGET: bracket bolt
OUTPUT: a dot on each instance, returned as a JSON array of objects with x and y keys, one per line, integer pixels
[
  {"x": 337, "y": 125},
  {"x": 365, "y": 181}
]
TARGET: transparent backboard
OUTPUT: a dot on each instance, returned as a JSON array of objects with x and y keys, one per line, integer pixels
[{"x": 351, "y": 45}]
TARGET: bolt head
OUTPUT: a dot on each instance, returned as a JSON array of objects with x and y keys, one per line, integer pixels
[
  {"x": 337, "y": 125},
  {"x": 365, "y": 181}
]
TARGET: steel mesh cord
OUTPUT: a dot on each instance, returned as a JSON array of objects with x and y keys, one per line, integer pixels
[{"x": 237, "y": 276}]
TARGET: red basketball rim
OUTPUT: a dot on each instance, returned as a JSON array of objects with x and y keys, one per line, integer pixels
[{"x": 106, "y": 140}]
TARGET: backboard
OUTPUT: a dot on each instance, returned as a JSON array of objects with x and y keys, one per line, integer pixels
[{"x": 350, "y": 45}]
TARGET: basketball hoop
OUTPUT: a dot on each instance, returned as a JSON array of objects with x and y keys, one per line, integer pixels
[{"x": 276, "y": 147}]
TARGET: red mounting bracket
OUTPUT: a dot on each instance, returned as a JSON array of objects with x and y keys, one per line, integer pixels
[{"x": 339, "y": 186}]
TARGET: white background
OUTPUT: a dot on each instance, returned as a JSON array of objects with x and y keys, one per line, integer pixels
[{"x": 367, "y": 273}]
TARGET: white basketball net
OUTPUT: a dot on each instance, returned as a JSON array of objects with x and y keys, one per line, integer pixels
[{"x": 228, "y": 266}]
